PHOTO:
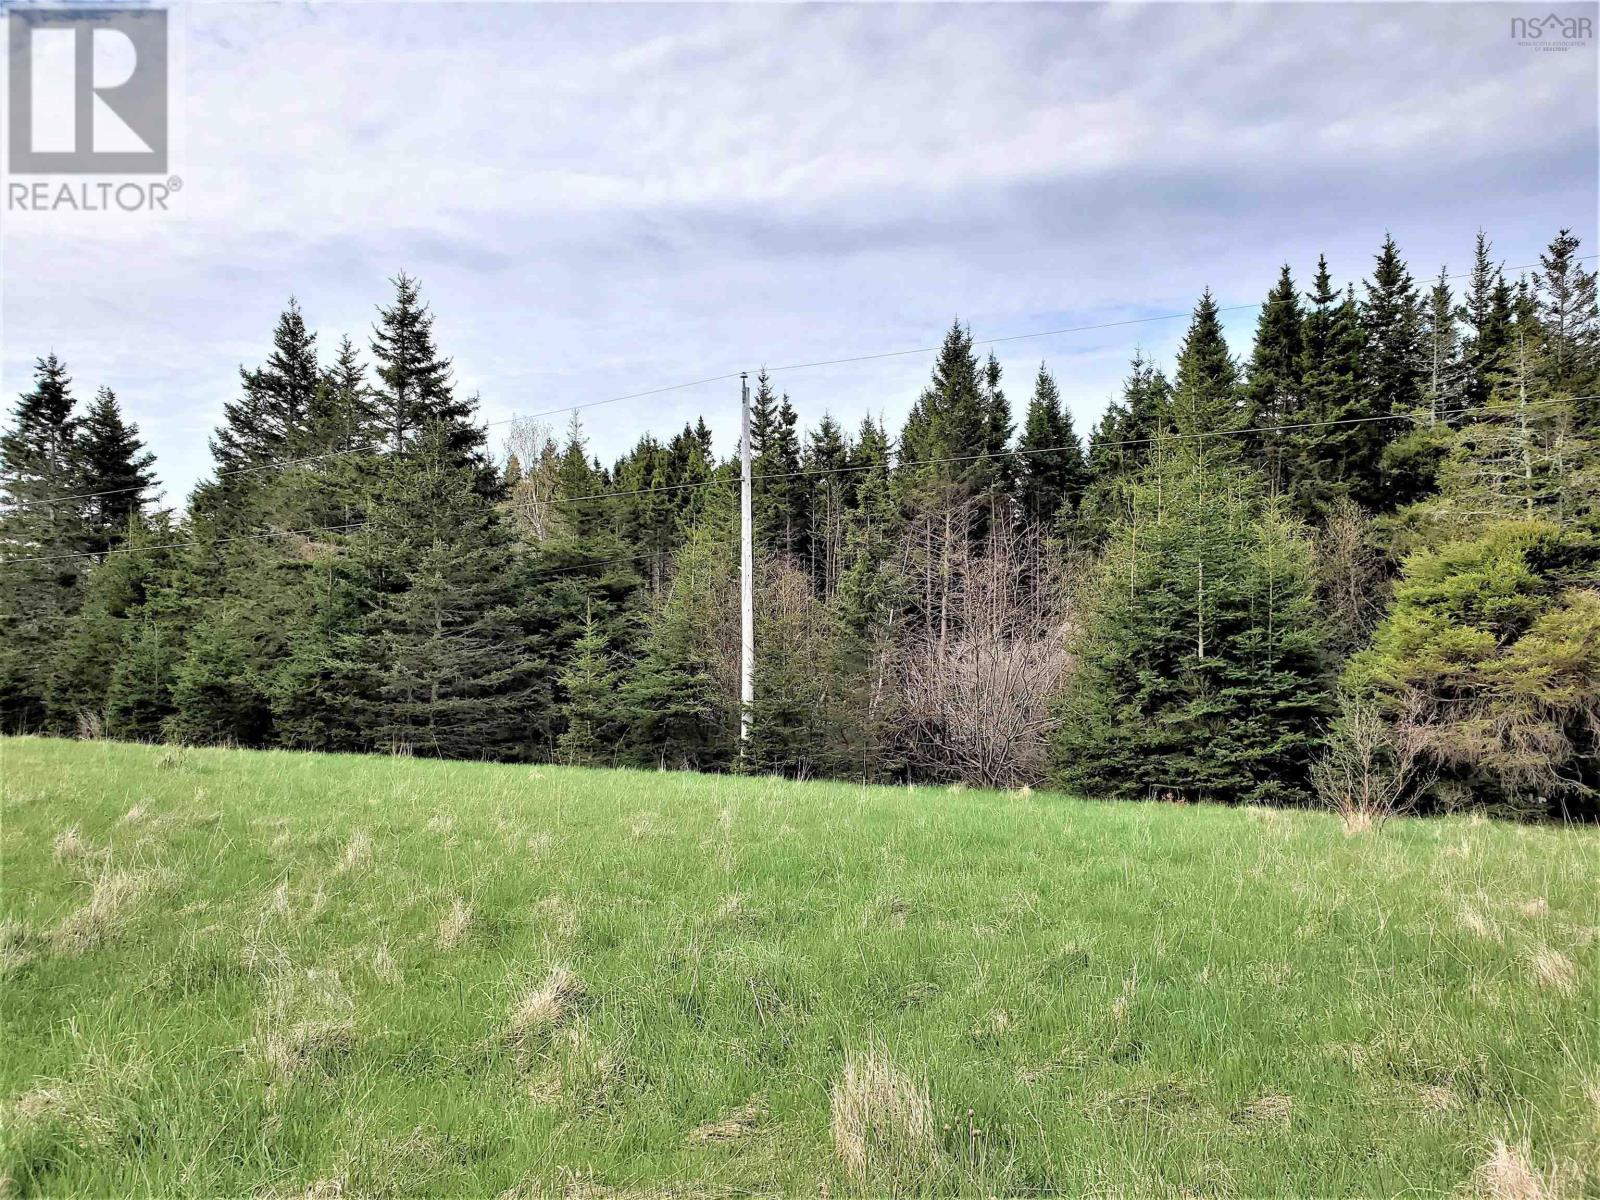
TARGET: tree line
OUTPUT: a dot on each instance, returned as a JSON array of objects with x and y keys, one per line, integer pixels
[{"x": 1359, "y": 561}]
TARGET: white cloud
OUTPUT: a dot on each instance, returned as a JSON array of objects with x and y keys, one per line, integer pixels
[{"x": 604, "y": 199}]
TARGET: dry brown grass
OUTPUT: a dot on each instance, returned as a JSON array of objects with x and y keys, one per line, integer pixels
[
  {"x": 1271, "y": 1109},
  {"x": 455, "y": 924},
  {"x": 17, "y": 946},
  {"x": 69, "y": 846},
  {"x": 1509, "y": 1174},
  {"x": 1553, "y": 969},
  {"x": 540, "y": 1011},
  {"x": 114, "y": 899},
  {"x": 1478, "y": 925},
  {"x": 307, "y": 1026},
  {"x": 883, "y": 1126},
  {"x": 736, "y": 1124},
  {"x": 93, "y": 1108},
  {"x": 357, "y": 853},
  {"x": 385, "y": 967}
]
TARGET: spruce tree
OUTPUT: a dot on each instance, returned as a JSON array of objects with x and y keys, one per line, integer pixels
[
  {"x": 414, "y": 390},
  {"x": 1202, "y": 665},
  {"x": 1392, "y": 325},
  {"x": 1487, "y": 314},
  {"x": 101, "y": 634},
  {"x": 443, "y": 646},
  {"x": 343, "y": 416},
  {"x": 113, "y": 470},
  {"x": 1273, "y": 392},
  {"x": 1205, "y": 394},
  {"x": 43, "y": 541},
  {"x": 1051, "y": 470},
  {"x": 589, "y": 684},
  {"x": 270, "y": 421},
  {"x": 1441, "y": 350},
  {"x": 951, "y": 419},
  {"x": 830, "y": 488},
  {"x": 1570, "y": 314}
]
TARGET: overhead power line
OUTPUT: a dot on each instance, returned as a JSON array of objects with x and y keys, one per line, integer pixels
[
  {"x": 731, "y": 375},
  {"x": 700, "y": 484}
]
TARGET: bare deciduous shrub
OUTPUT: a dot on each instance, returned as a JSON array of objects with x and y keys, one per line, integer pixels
[
  {"x": 91, "y": 726},
  {"x": 883, "y": 1126},
  {"x": 982, "y": 668},
  {"x": 1369, "y": 771}
]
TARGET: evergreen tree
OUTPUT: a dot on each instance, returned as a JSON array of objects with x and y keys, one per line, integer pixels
[
  {"x": 778, "y": 499},
  {"x": 139, "y": 700},
  {"x": 1051, "y": 468},
  {"x": 590, "y": 710},
  {"x": 1203, "y": 670},
  {"x": 1487, "y": 313},
  {"x": 1273, "y": 393},
  {"x": 318, "y": 688},
  {"x": 414, "y": 391},
  {"x": 951, "y": 419},
  {"x": 997, "y": 428},
  {"x": 830, "y": 488},
  {"x": 1122, "y": 442},
  {"x": 343, "y": 416},
  {"x": 270, "y": 421},
  {"x": 680, "y": 703},
  {"x": 1205, "y": 395},
  {"x": 1441, "y": 348},
  {"x": 443, "y": 645},
  {"x": 113, "y": 470},
  {"x": 218, "y": 695},
  {"x": 1392, "y": 324},
  {"x": 42, "y": 542},
  {"x": 97, "y": 639},
  {"x": 1570, "y": 315}
]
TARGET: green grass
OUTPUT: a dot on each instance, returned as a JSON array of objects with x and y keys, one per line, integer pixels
[{"x": 250, "y": 974}]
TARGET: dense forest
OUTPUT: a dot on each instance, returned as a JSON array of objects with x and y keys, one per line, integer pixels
[{"x": 1360, "y": 562}]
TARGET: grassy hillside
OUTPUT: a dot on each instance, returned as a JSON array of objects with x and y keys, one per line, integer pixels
[{"x": 234, "y": 972}]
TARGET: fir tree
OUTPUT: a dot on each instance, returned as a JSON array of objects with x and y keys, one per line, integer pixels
[
  {"x": 1203, "y": 670},
  {"x": 42, "y": 541},
  {"x": 1205, "y": 394},
  {"x": 589, "y": 684},
  {"x": 113, "y": 470},
  {"x": 270, "y": 421},
  {"x": 1051, "y": 468},
  {"x": 414, "y": 391},
  {"x": 139, "y": 699},
  {"x": 218, "y": 695},
  {"x": 1570, "y": 314},
  {"x": 444, "y": 646},
  {"x": 1441, "y": 349},
  {"x": 343, "y": 416},
  {"x": 1487, "y": 313},
  {"x": 1273, "y": 393}
]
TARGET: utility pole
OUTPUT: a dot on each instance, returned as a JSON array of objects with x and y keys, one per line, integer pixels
[{"x": 747, "y": 571}]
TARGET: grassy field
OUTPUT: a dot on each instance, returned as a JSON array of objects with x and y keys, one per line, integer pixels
[{"x": 277, "y": 974}]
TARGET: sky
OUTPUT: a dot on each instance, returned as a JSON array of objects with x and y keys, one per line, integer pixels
[{"x": 605, "y": 199}]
